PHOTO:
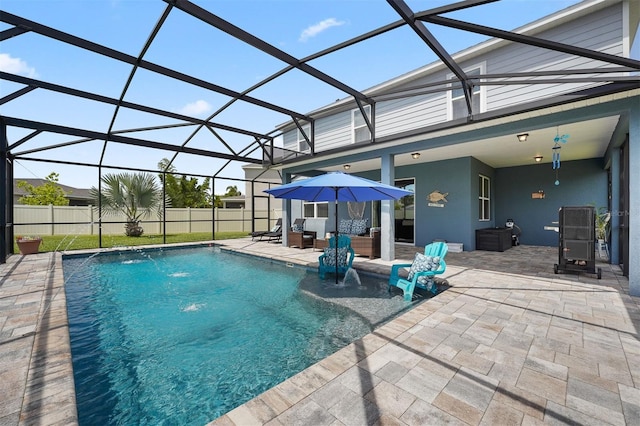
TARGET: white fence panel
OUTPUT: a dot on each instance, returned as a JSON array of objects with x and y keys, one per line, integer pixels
[
  {"x": 83, "y": 220},
  {"x": 175, "y": 221},
  {"x": 201, "y": 220}
]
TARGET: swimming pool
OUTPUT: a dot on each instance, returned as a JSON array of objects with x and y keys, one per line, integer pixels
[{"x": 182, "y": 336}]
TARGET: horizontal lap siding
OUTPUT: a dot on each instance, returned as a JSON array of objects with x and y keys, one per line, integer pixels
[
  {"x": 410, "y": 113},
  {"x": 515, "y": 58},
  {"x": 599, "y": 31},
  {"x": 289, "y": 140},
  {"x": 333, "y": 131}
]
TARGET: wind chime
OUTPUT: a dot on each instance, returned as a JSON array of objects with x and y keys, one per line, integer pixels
[{"x": 555, "y": 157}]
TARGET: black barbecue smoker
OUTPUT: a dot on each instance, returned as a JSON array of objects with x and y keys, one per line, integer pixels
[{"x": 577, "y": 237}]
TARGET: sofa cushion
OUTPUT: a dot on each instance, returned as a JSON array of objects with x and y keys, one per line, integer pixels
[
  {"x": 359, "y": 227},
  {"x": 344, "y": 227},
  {"x": 330, "y": 256}
]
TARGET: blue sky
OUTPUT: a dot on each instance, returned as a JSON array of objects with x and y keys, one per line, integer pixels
[{"x": 297, "y": 27}]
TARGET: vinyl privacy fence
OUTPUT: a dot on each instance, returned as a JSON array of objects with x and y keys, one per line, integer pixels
[{"x": 84, "y": 220}]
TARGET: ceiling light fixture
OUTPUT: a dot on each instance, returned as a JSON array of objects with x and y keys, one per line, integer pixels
[
  {"x": 415, "y": 155},
  {"x": 522, "y": 137},
  {"x": 347, "y": 166},
  {"x": 538, "y": 158}
]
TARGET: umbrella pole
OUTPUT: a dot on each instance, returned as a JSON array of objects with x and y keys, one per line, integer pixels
[{"x": 336, "y": 245}]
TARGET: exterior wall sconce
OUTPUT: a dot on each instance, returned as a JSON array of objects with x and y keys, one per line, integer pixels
[
  {"x": 415, "y": 155},
  {"x": 538, "y": 158},
  {"x": 522, "y": 137},
  {"x": 538, "y": 195},
  {"x": 347, "y": 166}
]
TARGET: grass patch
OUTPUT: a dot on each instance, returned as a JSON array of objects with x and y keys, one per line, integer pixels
[{"x": 84, "y": 242}]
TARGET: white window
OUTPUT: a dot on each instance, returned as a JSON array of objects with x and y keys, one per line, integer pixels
[
  {"x": 457, "y": 101},
  {"x": 484, "y": 198},
  {"x": 313, "y": 210},
  {"x": 303, "y": 146},
  {"x": 360, "y": 129}
]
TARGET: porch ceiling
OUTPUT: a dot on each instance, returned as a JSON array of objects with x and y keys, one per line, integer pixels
[{"x": 587, "y": 139}]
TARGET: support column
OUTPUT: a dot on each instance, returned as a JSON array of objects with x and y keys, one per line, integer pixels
[
  {"x": 634, "y": 201},
  {"x": 5, "y": 204},
  {"x": 387, "y": 211},
  {"x": 614, "y": 224},
  {"x": 286, "y": 213}
]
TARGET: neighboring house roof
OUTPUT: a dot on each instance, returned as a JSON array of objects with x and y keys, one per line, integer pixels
[
  {"x": 238, "y": 198},
  {"x": 70, "y": 191}
]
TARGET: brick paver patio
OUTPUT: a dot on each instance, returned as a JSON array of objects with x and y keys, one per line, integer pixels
[{"x": 508, "y": 342}]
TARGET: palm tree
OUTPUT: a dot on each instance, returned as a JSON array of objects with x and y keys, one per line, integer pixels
[
  {"x": 136, "y": 195},
  {"x": 232, "y": 191}
]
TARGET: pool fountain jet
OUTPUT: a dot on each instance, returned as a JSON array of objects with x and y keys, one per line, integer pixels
[{"x": 351, "y": 277}]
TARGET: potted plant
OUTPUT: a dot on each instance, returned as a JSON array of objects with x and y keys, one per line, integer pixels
[{"x": 28, "y": 244}]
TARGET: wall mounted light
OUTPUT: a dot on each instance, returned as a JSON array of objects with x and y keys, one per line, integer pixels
[
  {"x": 415, "y": 155},
  {"x": 522, "y": 137},
  {"x": 347, "y": 166},
  {"x": 538, "y": 158}
]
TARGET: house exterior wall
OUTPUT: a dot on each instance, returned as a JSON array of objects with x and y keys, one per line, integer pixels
[
  {"x": 451, "y": 222},
  {"x": 582, "y": 183},
  {"x": 601, "y": 31}
]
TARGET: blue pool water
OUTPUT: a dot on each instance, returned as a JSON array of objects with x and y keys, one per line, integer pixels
[{"x": 183, "y": 336}]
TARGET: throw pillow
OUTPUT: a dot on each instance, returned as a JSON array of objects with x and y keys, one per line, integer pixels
[
  {"x": 297, "y": 228},
  {"x": 275, "y": 228},
  {"x": 359, "y": 227},
  {"x": 344, "y": 227},
  {"x": 330, "y": 256},
  {"x": 422, "y": 263}
]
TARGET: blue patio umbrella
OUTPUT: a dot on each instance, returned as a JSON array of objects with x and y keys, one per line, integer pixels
[{"x": 337, "y": 186}]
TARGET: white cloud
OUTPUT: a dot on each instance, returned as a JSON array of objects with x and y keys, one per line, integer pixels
[
  {"x": 321, "y": 26},
  {"x": 16, "y": 66},
  {"x": 195, "y": 108}
]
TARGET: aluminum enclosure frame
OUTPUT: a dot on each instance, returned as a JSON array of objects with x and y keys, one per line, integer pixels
[{"x": 260, "y": 149}]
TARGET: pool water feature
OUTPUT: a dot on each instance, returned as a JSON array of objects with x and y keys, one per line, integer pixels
[{"x": 182, "y": 336}]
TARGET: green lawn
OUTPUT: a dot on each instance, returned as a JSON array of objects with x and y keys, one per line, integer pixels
[{"x": 82, "y": 242}]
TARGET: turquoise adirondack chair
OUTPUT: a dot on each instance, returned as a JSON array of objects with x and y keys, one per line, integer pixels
[
  {"x": 326, "y": 261},
  {"x": 422, "y": 271}
]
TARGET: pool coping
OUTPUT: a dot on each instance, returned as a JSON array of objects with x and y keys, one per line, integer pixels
[{"x": 35, "y": 364}]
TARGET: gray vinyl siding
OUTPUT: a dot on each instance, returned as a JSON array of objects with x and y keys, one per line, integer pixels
[
  {"x": 334, "y": 131},
  {"x": 514, "y": 58},
  {"x": 399, "y": 115},
  {"x": 290, "y": 140},
  {"x": 600, "y": 31}
]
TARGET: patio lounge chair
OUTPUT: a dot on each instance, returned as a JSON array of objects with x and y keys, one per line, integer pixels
[
  {"x": 298, "y": 237},
  {"x": 273, "y": 236},
  {"x": 276, "y": 228},
  {"x": 327, "y": 260},
  {"x": 422, "y": 271}
]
